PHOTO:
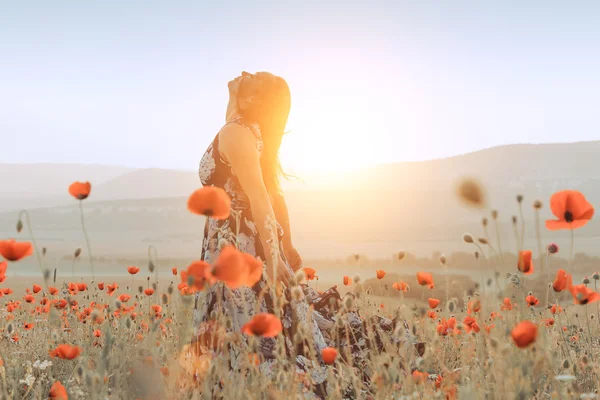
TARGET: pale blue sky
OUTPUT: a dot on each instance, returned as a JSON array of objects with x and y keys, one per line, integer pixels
[{"x": 143, "y": 83}]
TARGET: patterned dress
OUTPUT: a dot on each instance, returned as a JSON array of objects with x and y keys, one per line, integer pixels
[{"x": 240, "y": 305}]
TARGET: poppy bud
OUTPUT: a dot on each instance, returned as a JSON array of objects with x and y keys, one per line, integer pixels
[
  {"x": 519, "y": 198},
  {"x": 596, "y": 276},
  {"x": 494, "y": 214},
  {"x": 150, "y": 266},
  {"x": 477, "y": 255},
  {"x": 471, "y": 192},
  {"x": 46, "y": 274},
  {"x": 552, "y": 248},
  {"x": 44, "y": 250},
  {"x": 77, "y": 252},
  {"x": 537, "y": 204},
  {"x": 514, "y": 219},
  {"x": 483, "y": 240},
  {"x": 586, "y": 280},
  {"x": 19, "y": 225},
  {"x": 467, "y": 238},
  {"x": 443, "y": 260},
  {"x": 401, "y": 255},
  {"x": 484, "y": 221}
]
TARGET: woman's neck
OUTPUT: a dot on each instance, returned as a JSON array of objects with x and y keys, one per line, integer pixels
[{"x": 231, "y": 116}]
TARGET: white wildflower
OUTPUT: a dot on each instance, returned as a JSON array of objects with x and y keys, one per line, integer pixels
[
  {"x": 29, "y": 380},
  {"x": 42, "y": 365}
]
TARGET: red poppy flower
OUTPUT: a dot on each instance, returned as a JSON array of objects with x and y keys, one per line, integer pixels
[
  {"x": 62, "y": 303},
  {"x": 29, "y": 298},
  {"x": 110, "y": 289},
  {"x": 506, "y": 304},
  {"x": 329, "y": 355},
  {"x": 133, "y": 270},
  {"x": 210, "y": 201},
  {"x": 36, "y": 288},
  {"x": 254, "y": 267},
  {"x": 548, "y": 322},
  {"x": 3, "y": 267},
  {"x": 446, "y": 326},
  {"x": 347, "y": 280},
  {"x": 420, "y": 377},
  {"x": 433, "y": 303},
  {"x": 572, "y": 210},
  {"x": 425, "y": 279},
  {"x": 581, "y": 293},
  {"x": 58, "y": 392},
  {"x": 310, "y": 273},
  {"x": 560, "y": 282},
  {"x": 174, "y": 271},
  {"x": 195, "y": 276},
  {"x": 7, "y": 291},
  {"x": 28, "y": 327},
  {"x": 53, "y": 290},
  {"x": 532, "y": 301},
  {"x": 80, "y": 190},
  {"x": 263, "y": 324},
  {"x": 525, "y": 265},
  {"x": 401, "y": 286},
  {"x": 101, "y": 285},
  {"x": 524, "y": 333},
  {"x": 555, "y": 309},
  {"x": 66, "y": 352},
  {"x": 97, "y": 333},
  {"x": 149, "y": 292},
  {"x": 12, "y": 250},
  {"x": 380, "y": 273},
  {"x": 124, "y": 298},
  {"x": 231, "y": 267},
  {"x": 432, "y": 314},
  {"x": 82, "y": 286},
  {"x": 473, "y": 306}
]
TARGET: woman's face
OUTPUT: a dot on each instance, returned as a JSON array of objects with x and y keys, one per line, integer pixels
[{"x": 243, "y": 89}]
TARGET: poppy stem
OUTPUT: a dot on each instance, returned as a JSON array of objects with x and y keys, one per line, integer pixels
[
  {"x": 571, "y": 252},
  {"x": 547, "y": 278},
  {"x": 37, "y": 252},
  {"x": 498, "y": 240},
  {"x": 87, "y": 240},
  {"x": 150, "y": 248},
  {"x": 522, "y": 225},
  {"x": 539, "y": 238}
]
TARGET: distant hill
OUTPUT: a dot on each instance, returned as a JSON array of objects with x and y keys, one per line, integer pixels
[{"x": 373, "y": 211}]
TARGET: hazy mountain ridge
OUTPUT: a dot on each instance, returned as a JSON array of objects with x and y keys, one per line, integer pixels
[{"x": 374, "y": 211}]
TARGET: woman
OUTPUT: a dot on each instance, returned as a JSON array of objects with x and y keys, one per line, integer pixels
[{"x": 243, "y": 160}]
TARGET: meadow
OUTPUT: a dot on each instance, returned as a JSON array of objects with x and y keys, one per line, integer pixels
[{"x": 490, "y": 323}]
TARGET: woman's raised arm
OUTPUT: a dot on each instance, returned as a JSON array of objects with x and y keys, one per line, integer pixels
[{"x": 238, "y": 146}]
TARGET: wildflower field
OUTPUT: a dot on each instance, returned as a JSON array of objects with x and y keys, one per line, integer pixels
[{"x": 528, "y": 330}]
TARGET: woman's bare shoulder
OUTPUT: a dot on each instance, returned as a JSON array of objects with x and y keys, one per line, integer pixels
[{"x": 235, "y": 140}]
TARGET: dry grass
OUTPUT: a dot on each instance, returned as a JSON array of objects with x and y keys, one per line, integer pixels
[{"x": 139, "y": 353}]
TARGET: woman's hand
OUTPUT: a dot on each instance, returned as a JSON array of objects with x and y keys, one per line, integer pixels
[
  {"x": 294, "y": 259},
  {"x": 282, "y": 273}
]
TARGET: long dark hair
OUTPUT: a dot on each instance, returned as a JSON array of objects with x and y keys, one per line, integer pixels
[{"x": 270, "y": 109}]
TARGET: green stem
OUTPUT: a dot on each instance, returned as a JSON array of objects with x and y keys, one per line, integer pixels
[
  {"x": 150, "y": 248},
  {"x": 522, "y": 226},
  {"x": 539, "y": 239},
  {"x": 87, "y": 240},
  {"x": 37, "y": 251},
  {"x": 571, "y": 253}
]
